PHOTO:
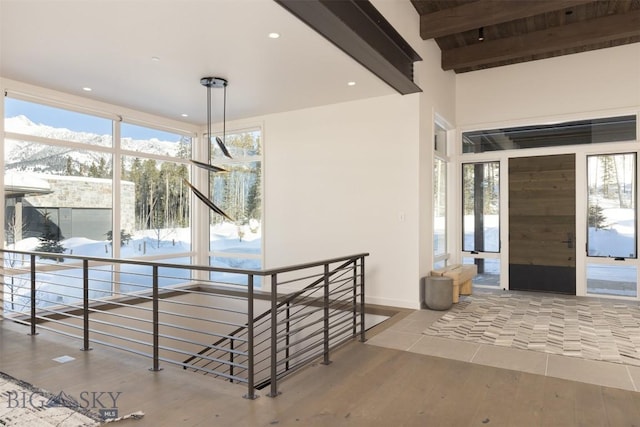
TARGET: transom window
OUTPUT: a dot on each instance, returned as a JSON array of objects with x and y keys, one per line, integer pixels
[{"x": 611, "y": 129}]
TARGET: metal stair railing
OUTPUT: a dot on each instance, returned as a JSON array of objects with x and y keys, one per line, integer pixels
[
  {"x": 171, "y": 313},
  {"x": 307, "y": 308}
]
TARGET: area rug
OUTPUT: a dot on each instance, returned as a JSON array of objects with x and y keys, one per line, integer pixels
[
  {"x": 24, "y": 405},
  {"x": 588, "y": 328}
]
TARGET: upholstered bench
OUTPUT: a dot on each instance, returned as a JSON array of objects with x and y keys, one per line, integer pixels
[{"x": 462, "y": 276}]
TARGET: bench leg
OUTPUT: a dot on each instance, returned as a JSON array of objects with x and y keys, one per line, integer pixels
[
  {"x": 465, "y": 288},
  {"x": 456, "y": 293}
]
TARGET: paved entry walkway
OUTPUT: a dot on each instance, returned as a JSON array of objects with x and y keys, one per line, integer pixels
[{"x": 596, "y": 341}]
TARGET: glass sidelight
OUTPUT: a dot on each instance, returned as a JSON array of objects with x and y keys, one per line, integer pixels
[
  {"x": 440, "y": 198},
  {"x": 481, "y": 220},
  {"x": 481, "y": 207},
  {"x": 611, "y": 215},
  {"x": 439, "y": 210},
  {"x": 611, "y": 224}
]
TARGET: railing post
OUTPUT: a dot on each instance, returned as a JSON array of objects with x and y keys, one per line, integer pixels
[
  {"x": 33, "y": 295},
  {"x": 85, "y": 305},
  {"x": 251, "y": 393},
  {"x": 274, "y": 336},
  {"x": 326, "y": 360},
  {"x": 362, "y": 326},
  {"x": 354, "y": 300},
  {"x": 156, "y": 327},
  {"x": 287, "y": 338},
  {"x": 231, "y": 358}
]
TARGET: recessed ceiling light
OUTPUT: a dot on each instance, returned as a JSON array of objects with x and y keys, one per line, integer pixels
[
  {"x": 155, "y": 59},
  {"x": 184, "y": 115},
  {"x": 274, "y": 35},
  {"x": 87, "y": 89},
  {"x": 351, "y": 83}
]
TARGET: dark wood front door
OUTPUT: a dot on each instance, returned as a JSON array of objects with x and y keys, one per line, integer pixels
[{"x": 542, "y": 200}]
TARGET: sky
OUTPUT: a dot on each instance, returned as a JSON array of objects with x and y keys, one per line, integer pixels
[{"x": 59, "y": 118}]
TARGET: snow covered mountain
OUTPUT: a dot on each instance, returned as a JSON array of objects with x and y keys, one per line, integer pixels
[
  {"x": 22, "y": 124},
  {"x": 32, "y": 156}
]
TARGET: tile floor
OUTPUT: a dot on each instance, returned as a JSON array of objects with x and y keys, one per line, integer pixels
[
  {"x": 406, "y": 334},
  {"x": 587, "y": 328}
]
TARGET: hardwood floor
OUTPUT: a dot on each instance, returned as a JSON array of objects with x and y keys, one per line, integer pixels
[{"x": 366, "y": 385}]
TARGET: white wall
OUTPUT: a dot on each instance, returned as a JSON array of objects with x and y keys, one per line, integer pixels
[
  {"x": 595, "y": 81},
  {"x": 438, "y": 97},
  {"x": 356, "y": 177},
  {"x": 337, "y": 179}
]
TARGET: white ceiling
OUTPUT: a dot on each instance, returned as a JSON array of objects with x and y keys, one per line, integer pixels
[{"x": 108, "y": 45}]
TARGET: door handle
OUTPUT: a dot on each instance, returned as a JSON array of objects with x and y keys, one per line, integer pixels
[{"x": 569, "y": 241}]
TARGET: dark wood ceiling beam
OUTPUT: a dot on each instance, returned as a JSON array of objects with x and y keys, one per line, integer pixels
[
  {"x": 358, "y": 29},
  {"x": 608, "y": 28},
  {"x": 483, "y": 13}
]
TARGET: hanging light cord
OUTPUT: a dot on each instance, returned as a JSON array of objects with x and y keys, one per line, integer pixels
[
  {"x": 209, "y": 119},
  {"x": 224, "y": 115},
  {"x": 216, "y": 82}
]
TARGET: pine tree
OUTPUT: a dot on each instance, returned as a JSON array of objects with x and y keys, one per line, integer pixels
[
  {"x": 124, "y": 237},
  {"x": 93, "y": 170},
  {"x": 255, "y": 194},
  {"x": 609, "y": 178},
  {"x": 50, "y": 240},
  {"x": 596, "y": 218},
  {"x": 69, "y": 167},
  {"x": 184, "y": 148}
]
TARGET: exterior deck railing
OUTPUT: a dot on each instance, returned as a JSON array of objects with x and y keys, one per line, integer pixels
[{"x": 177, "y": 314}]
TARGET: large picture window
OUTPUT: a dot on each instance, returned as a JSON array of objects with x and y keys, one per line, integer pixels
[
  {"x": 152, "y": 182},
  {"x": 61, "y": 185},
  {"x": 237, "y": 243},
  {"x": 58, "y": 178}
]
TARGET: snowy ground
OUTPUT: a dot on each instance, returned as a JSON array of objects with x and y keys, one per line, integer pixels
[
  {"x": 616, "y": 239},
  {"x": 64, "y": 285}
]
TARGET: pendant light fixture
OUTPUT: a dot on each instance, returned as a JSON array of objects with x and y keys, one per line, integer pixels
[
  {"x": 217, "y": 82},
  {"x": 207, "y": 201},
  {"x": 213, "y": 82}
]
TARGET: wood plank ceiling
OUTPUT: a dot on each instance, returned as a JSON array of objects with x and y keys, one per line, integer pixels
[{"x": 523, "y": 30}]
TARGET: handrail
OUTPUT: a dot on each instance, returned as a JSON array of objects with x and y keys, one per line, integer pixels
[
  {"x": 261, "y": 272},
  {"x": 309, "y": 313}
]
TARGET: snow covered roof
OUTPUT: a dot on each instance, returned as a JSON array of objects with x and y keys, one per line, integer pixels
[{"x": 22, "y": 184}]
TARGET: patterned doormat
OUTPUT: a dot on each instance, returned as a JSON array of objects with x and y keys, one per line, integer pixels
[
  {"x": 589, "y": 328},
  {"x": 23, "y": 405}
]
